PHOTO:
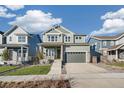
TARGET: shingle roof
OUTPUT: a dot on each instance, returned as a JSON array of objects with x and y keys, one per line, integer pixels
[
  {"x": 109, "y": 37},
  {"x": 115, "y": 47}
]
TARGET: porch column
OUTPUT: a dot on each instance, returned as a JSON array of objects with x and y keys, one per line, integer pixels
[
  {"x": 21, "y": 53},
  {"x": 27, "y": 52},
  {"x": 62, "y": 52},
  {"x": 116, "y": 54}
]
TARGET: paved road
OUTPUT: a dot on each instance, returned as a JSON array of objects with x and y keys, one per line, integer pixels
[{"x": 91, "y": 76}]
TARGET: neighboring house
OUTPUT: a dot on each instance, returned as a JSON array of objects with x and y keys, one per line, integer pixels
[
  {"x": 61, "y": 43},
  {"x": 110, "y": 46},
  {"x": 19, "y": 43}
]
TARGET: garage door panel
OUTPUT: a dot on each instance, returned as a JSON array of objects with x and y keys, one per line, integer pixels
[{"x": 75, "y": 57}]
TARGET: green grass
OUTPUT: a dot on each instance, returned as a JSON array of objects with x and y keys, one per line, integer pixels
[
  {"x": 32, "y": 70},
  {"x": 117, "y": 64},
  {"x": 4, "y": 68}
]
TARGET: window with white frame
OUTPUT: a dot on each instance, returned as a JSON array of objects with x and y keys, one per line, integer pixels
[
  {"x": 21, "y": 39},
  {"x": 112, "y": 43},
  {"x": 69, "y": 39},
  {"x": 48, "y": 38},
  {"x": 66, "y": 38},
  {"x": 52, "y": 38},
  {"x": 104, "y": 43}
]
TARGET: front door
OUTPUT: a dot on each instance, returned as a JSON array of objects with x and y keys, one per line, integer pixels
[{"x": 58, "y": 53}]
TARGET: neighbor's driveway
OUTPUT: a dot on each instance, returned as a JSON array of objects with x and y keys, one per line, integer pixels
[{"x": 76, "y": 68}]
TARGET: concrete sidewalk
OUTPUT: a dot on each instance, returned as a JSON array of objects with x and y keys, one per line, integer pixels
[
  {"x": 56, "y": 67},
  {"x": 98, "y": 80}
]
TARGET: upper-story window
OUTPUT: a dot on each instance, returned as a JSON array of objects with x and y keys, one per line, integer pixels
[
  {"x": 48, "y": 38},
  {"x": 112, "y": 43},
  {"x": 66, "y": 38},
  {"x": 56, "y": 38},
  {"x": 79, "y": 37},
  {"x": 21, "y": 39},
  {"x": 76, "y": 37},
  {"x": 69, "y": 39},
  {"x": 10, "y": 38},
  {"x": 104, "y": 43},
  {"x": 52, "y": 38}
]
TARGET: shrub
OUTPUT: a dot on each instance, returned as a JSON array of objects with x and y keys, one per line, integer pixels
[
  {"x": 50, "y": 61},
  {"x": 5, "y": 55},
  {"x": 39, "y": 55}
]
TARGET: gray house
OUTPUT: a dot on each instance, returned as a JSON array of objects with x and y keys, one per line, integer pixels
[
  {"x": 19, "y": 44},
  {"x": 109, "y": 46},
  {"x": 61, "y": 43}
]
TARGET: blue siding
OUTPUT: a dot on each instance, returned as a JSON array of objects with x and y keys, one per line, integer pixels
[{"x": 33, "y": 41}]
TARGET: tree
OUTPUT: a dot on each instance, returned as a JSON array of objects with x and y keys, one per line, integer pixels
[
  {"x": 39, "y": 55},
  {"x": 5, "y": 55}
]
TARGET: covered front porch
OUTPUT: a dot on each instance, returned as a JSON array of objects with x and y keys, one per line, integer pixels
[
  {"x": 17, "y": 53},
  {"x": 117, "y": 53},
  {"x": 52, "y": 51}
]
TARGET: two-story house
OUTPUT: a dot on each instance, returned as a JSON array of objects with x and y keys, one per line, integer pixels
[
  {"x": 61, "y": 43},
  {"x": 19, "y": 44},
  {"x": 110, "y": 46}
]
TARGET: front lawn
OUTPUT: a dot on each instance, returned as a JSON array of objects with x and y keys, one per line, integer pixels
[
  {"x": 5, "y": 68},
  {"x": 32, "y": 70},
  {"x": 118, "y": 64}
]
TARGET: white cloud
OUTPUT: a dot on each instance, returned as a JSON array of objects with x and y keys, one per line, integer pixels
[
  {"x": 35, "y": 21},
  {"x": 113, "y": 23},
  {"x": 114, "y": 15},
  {"x": 4, "y": 13},
  {"x": 14, "y": 7}
]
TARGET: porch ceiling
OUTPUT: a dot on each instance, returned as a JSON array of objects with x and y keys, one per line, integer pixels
[
  {"x": 13, "y": 45},
  {"x": 51, "y": 44}
]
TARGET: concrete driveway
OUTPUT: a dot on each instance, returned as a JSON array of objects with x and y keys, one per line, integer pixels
[
  {"x": 78, "y": 68},
  {"x": 87, "y": 75}
]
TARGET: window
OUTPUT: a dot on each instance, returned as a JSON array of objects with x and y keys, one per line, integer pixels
[
  {"x": 55, "y": 38},
  {"x": 80, "y": 37},
  {"x": 104, "y": 43},
  {"x": 69, "y": 39},
  {"x": 112, "y": 43},
  {"x": 10, "y": 38},
  {"x": 48, "y": 38},
  {"x": 76, "y": 37},
  {"x": 21, "y": 38},
  {"x": 66, "y": 38},
  {"x": 52, "y": 38}
]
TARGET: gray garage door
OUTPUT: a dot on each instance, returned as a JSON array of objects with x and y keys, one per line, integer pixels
[{"x": 75, "y": 57}]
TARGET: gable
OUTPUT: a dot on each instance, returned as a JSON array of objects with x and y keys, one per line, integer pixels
[
  {"x": 53, "y": 31},
  {"x": 59, "y": 29},
  {"x": 16, "y": 30}
]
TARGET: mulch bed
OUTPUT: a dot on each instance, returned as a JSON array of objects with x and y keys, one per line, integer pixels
[{"x": 36, "y": 84}]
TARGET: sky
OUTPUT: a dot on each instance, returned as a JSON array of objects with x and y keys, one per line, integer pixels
[{"x": 94, "y": 20}]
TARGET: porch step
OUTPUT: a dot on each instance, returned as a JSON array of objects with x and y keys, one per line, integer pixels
[{"x": 56, "y": 67}]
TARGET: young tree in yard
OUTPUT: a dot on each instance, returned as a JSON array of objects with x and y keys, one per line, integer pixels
[
  {"x": 40, "y": 55},
  {"x": 5, "y": 55}
]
